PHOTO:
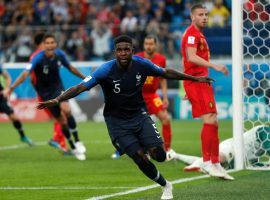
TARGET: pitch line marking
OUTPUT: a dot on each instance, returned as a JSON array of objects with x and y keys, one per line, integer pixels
[
  {"x": 140, "y": 189},
  {"x": 63, "y": 188},
  {"x": 18, "y": 146},
  {"x": 43, "y": 143}
]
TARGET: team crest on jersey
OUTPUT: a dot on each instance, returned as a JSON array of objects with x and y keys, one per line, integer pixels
[
  {"x": 138, "y": 78},
  {"x": 211, "y": 105}
]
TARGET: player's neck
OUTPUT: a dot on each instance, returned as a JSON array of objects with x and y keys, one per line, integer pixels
[
  {"x": 197, "y": 27},
  {"x": 126, "y": 67},
  {"x": 49, "y": 55},
  {"x": 149, "y": 56}
]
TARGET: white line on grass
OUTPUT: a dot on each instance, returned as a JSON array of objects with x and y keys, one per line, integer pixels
[
  {"x": 140, "y": 189},
  {"x": 18, "y": 146},
  {"x": 63, "y": 188}
]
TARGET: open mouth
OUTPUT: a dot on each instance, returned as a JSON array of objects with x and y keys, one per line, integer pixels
[{"x": 124, "y": 60}]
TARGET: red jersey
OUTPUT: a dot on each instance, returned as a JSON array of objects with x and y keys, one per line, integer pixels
[
  {"x": 151, "y": 84},
  {"x": 194, "y": 38}
]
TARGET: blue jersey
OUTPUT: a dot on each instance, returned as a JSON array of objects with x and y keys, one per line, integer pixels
[
  {"x": 44, "y": 71},
  {"x": 123, "y": 88}
]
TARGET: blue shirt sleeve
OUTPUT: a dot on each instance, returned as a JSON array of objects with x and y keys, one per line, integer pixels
[
  {"x": 152, "y": 69},
  {"x": 97, "y": 77},
  {"x": 63, "y": 58},
  {"x": 1, "y": 70},
  {"x": 34, "y": 62}
]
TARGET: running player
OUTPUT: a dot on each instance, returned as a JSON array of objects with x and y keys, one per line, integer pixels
[
  {"x": 154, "y": 104},
  {"x": 58, "y": 141},
  {"x": 6, "y": 108},
  {"x": 131, "y": 129},
  {"x": 44, "y": 70}
]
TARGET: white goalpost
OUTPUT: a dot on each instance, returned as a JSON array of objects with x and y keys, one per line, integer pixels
[
  {"x": 251, "y": 77},
  {"x": 237, "y": 63}
]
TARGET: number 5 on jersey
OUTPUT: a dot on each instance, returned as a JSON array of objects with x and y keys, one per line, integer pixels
[{"x": 116, "y": 88}]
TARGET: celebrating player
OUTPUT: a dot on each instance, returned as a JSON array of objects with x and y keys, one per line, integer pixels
[
  {"x": 255, "y": 145},
  {"x": 196, "y": 57},
  {"x": 44, "y": 70},
  {"x": 131, "y": 129},
  {"x": 7, "y": 109},
  {"x": 58, "y": 140},
  {"x": 154, "y": 104}
]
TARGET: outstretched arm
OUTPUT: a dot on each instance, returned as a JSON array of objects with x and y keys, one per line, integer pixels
[
  {"x": 76, "y": 72},
  {"x": 173, "y": 74},
  {"x": 7, "y": 78},
  {"x": 68, "y": 94},
  {"x": 17, "y": 82}
]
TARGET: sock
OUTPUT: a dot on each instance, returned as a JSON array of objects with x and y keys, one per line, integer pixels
[
  {"x": 18, "y": 125},
  {"x": 66, "y": 132},
  {"x": 73, "y": 128},
  {"x": 58, "y": 135},
  {"x": 206, "y": 134},
  {"x": 167, "y": 135},
  {"x": 151, "y": 172},
  {"x": 214, "y": 144}
]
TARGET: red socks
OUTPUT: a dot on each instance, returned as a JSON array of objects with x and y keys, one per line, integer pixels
[
  {"x": 210, "y": 143},
  {"x": 167, "y": 136},
  {"x": 58, "y": 135}
]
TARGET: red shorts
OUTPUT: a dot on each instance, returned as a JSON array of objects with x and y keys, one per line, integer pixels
[
  {"x": 201, "y": 97},
  {"x": 153, "y": 103}
]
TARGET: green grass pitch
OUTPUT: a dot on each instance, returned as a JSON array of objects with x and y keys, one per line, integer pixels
[{"x": 41, "y": 172}]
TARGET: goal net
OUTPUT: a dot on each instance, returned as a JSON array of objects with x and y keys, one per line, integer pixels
[{"x": 256, "y": 87}]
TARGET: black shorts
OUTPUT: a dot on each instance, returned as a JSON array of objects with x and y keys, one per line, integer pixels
[
  {"x": 130, "y": 135},
  {"x": 5, "y": 107},
  {"x": 55, "y": 110}
]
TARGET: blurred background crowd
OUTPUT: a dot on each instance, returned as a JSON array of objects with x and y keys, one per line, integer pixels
[{"x": 85, "y": 29}]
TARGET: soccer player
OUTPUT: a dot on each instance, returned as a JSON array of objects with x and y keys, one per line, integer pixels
[
  {"x": 6, "y": 108},
  {"x": 44, "y": 70},
  {"x": 153, "y": 102},
  {"x": 196, "y": 55},
  {"x": 58, "y": 140},
  {"x": 131, "y": 129},
  {"x": 255, "y": 145}
]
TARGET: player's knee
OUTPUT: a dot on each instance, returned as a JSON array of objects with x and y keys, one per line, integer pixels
[
  {"x": 13, "y": 117},
  {"x": 140, "y": 159},
  {"x": 210, "y": 118},
  {"x": 165, "y": 120},
  {"x": 158, "y": 154}
]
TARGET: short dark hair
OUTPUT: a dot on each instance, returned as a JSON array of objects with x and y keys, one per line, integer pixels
[
  {"x": 38, "y": 38},
  {"x": 48, "y": 35},
  {"x": 123, "y": 38},
  {"x": 151, "y": 36},
  {"x": 197, "y": 6}
]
